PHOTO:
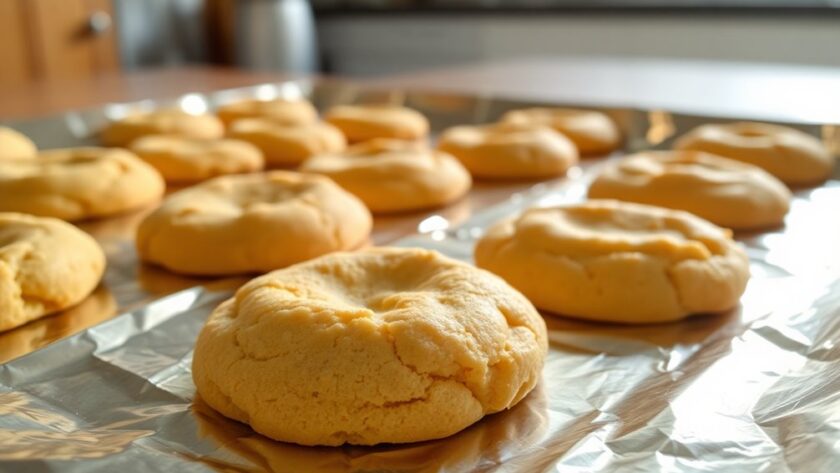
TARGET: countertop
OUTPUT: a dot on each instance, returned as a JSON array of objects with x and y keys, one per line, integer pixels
[
  {"x": 46, "y": 98},
  {"x": 768, "y": 91}
]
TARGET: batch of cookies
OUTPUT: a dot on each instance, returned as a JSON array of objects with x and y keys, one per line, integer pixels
[{"x": 338, "y": 343}]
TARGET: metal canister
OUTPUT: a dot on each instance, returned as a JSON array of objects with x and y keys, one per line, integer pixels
[{"x": 275, "y": 35}]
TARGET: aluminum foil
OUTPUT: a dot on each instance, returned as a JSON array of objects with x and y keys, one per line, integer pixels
[{"x": 756, "y": 389}]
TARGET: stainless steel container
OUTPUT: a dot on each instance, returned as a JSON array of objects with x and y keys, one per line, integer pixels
[{"x": 275, "y": 35}]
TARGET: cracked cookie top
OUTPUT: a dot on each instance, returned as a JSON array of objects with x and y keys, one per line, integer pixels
[
  {"x": 286, "y": 111},
  {"x": 185, "y": 160},
  {"x": 161, "y": 122},
  {"x": 285, "y": 144},
  {"x": 593, "y": 132},
  {"x": 78, "y": 183},
  {"x": 393, "y": 175},
  {"x": 614, "y": 261},
  {"x": 724, "y": 191},
  {"x": 793, "y": 156},
  {"x": 510, "y": 151},
  {"x": 364, "y": 122},
  {"x": 379, "y": 346},
  {"x": 46, "y": 265},
  {"x": 252, "y": 223}
]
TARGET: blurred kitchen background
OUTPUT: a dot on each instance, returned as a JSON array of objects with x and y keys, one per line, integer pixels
[{"x": 49, "y": 39}]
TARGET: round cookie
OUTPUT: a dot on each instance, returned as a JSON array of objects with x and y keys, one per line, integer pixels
[
  {"x": 184, "y": 160},
  {"x": 617, "y": 262},
  {"x": 287, "y": 112},
  {"x": 288, "y": 145},
  {"x": 161, "y": 122},
  {"x": 252, "y": 223},
  {"x": 78, "y": 183},
  {"x": 46, "y": 265},
  {"x": 795, "y": 157},
  {"x": 367, "y": 122},
  {"x": 510, "y": 152},
  {"x": 592, "y": 132},
  {"x": 15, "y": 145},
  {"x": 723, "y": 191},
  {"x": 387, "y": 345},
  {"x": 393, "y": 175}
]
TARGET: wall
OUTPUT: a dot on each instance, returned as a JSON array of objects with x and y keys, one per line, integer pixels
[{"x": 388, "y": 43}]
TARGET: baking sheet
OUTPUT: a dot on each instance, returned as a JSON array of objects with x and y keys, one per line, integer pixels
[
  {"x": 757, "y": 389},
  {"x": 128, "y": 284}
]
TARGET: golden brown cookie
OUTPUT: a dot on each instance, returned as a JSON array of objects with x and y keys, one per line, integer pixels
[
  {"x": 185, "y": 160},
  {"x": 288, "y": 145},
  {"x": 593, "y": 132},
  {"x": 723, "y": 191},
  {"x": 367, "y": 122},
  {"x": 162, "y": 122},
  {"x": 46, "y": 265},
  {"x": 617, "y": 262},
  {"x": 15, "y": 145},
  {"x": 795, "y": 157},
  {"x": 287, "y": 112},
  {"x": 384, "y": 345},
  {"x": 78, "y": 183},
  {"x": 502, "y": 151},
  {"x": 393, "y": 175},
  {"x": 252, "y": 223}
]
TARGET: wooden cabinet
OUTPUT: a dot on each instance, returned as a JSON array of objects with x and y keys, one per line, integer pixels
[{"x": 55, "y": 39}]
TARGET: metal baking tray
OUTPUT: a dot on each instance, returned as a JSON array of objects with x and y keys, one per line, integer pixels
[{"x": 755, "y": 389}]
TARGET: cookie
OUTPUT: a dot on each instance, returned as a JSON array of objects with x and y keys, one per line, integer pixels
[
  {"x": 795, "y": 157},
  {"x": 185, "y": 160},
  {"x": 161, "y": 122},
  {"x": 288, "y": 145},
  {"x": 46, "y": 265},
  {"x": 287, "y": 112},
  {"x": 15, "y": 145},
  {"x": 723, "y": 191},
  {"x": 510, "y": 152},
  {"x": 617, "y": 262},
  {"x": 78, "y": 183},
  {"x": 367, "y": 122},
  {"x": 591, "y": 131},
  {"x": 388, "y": 345},
  {"x": 393, "y": 175},
  {"x": 252, "y": 223}
]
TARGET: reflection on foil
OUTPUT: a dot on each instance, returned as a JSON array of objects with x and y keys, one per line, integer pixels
[
  {"x": 194, "y": 104},
  {"x": 79, "y": 444},
  {"x": 661, "y": 127},
  {"x": 488, "y": 443},
  {"x": 98, "y": 306},
  {"x": 116, "y": 229},
  {"x": 159, "y": 281},
  {"x": 831, "y": 138},
  {"x": 808, "y": 245},
  {"x": 432, "y": 224}
]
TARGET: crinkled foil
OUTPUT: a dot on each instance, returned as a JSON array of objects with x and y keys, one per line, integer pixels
[{"x": 755, "y": 389}]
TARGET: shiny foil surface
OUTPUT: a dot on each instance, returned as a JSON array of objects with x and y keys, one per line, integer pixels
[{"x": 755, "y": 389}]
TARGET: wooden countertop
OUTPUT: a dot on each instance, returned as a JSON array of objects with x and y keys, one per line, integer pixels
[
  {"x": 49, "y": 98},
  {"x": 788, "y": 93}
]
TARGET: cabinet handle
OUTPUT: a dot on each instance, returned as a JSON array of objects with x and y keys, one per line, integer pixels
[{"x": 99, "y": 22}]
